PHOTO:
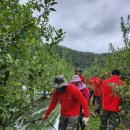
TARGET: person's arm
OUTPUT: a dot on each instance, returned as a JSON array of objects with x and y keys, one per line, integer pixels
[
  {"x": 86, "y": 94},
  {"x": 52, "y": 105},
  {"x": 84, "y": 80},
  {"x": 101, "y": 90},
  {"x": 80, "y": 98},
  {"x": 91, "y": 84}
]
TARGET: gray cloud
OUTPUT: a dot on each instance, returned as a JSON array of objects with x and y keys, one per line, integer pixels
[{"x": 90, "y": 25}]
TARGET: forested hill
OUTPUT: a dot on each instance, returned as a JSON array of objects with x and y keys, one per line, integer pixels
[{"x": 77, "y": 58}]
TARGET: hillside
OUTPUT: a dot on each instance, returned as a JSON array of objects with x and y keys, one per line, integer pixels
[{"x": 77, "y": 58}]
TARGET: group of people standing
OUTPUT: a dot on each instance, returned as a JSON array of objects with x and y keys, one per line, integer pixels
[{"x": 74, "y": 99}]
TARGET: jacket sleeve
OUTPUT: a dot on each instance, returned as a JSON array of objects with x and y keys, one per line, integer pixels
[
  {"x": 53, "y": 103},
  {"x": 81, "y": 99},
  {"x": 86, "y": 94},
  {"x": 102, "y": 88},
  {"x": 101, "y": 91}
]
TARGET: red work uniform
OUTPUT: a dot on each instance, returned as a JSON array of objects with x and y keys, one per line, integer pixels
[
  {"x": 69, "y": 101},
  {"x": 110, "y": 102}
]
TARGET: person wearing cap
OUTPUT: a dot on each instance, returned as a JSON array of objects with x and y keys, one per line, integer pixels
[
  {"x": 92, "y": 82},
  {"x": 70, "y": 98},
  {"x": 110, "y": 101},
  {"x": 97, "y": 94},
  {"x": 84, "y": 90},
  {"x": 78, "y": 71},
  {"x": 94, "y": 89}
]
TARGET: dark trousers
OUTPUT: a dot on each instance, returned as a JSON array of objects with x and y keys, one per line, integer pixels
[
  {"x": 109, "y": 120},
  {"x": 81, "y": 125},
  {"x": 68, "y": 123},
  {"x": 97, "y": 104}
]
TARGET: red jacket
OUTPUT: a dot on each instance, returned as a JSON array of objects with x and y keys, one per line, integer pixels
[
  {"x": 85, "y": 92},
  {"x": 95, "y": 85},
  {"x": 82, "y": 78},
  {"x": 97, "y": 89},
  {"x": 91, "y": 83},
  {"x": 70, "y": 102},
  {"x": 110, "y": 102}
]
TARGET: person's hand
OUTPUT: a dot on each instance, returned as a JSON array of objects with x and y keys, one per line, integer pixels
[
  {"x": 44, "y": 117},
  {"x": 85, "y": 120}
]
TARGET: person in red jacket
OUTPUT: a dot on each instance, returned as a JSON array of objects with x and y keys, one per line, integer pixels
[
  {"x": 91, "y": 82},
  {"x": 84, "y": 90},
  {"x": 110, "y": 102},
  {"x": 70, "y": 98},
  {"x": 97, "y": 95},
  {"x": 94, "y": 87},
  {"x": 78, "y": 71}
]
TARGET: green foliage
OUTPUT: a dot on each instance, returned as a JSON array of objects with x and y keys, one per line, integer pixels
[
  {"x": 26, "y": 56},
  {"x": 126, "y": 31},
  {"x": 118, "y": 59},
  {"x": 76, "y": 58}
]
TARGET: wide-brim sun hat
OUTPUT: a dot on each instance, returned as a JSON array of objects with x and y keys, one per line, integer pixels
[{"x": 75, "y": 78}]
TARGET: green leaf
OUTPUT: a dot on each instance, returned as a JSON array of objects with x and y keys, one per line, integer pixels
[
  {"x": 33, "y": 28},
  {"x": 53, "y": 3},
  {"x": 52, "y": 9},
  {"x": 60, "y": 30},
  {"x": 38, "y": 7},
  {"x": 46, "y": 1}
]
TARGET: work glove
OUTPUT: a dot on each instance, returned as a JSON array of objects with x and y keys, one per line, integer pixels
[
  {"x": 44, "y": 117},
  {"x": 85, "y": 120}
]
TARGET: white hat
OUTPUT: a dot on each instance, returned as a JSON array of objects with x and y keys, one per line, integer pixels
[{"x": 75, "y": 78}]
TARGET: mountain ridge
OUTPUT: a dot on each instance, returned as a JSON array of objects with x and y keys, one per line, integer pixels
[{"x": 78, "y": 58}]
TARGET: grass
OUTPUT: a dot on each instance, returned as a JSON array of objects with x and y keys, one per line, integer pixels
[{"x": 94, "y": 122}]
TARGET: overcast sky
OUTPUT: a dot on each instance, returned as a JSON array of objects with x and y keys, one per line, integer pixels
[{"x": 90, "y": 25}]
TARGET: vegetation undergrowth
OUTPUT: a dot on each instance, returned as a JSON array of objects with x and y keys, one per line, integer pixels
[
  {"x": 94, "y": 122},
  {"x": 28, "y": 62}
]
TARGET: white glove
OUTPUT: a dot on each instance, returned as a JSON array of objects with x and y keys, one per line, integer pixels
[{"x": 85, "y": 120}]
